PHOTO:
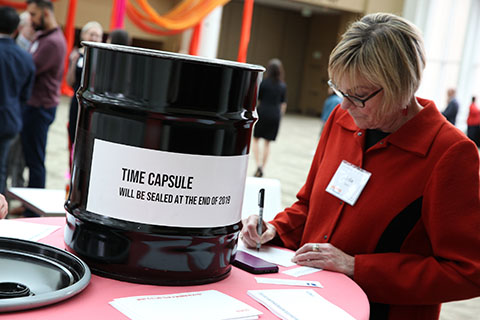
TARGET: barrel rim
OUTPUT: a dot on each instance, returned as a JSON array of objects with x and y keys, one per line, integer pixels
[{"x": 172, "y": 55}]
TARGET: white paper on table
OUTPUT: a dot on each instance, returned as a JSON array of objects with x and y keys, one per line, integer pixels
[
  {"x": 299, "y": 304},
  {"x": 200, "y": 305},
  {"x": 25, "y": 230},
  {"x": 289, "y": 282},
  {"x": 270, "y": 254},
  {"x": 301, "y": 271}
]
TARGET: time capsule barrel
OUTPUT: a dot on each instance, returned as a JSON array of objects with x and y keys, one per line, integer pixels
[{"x": 159, "y": 164}]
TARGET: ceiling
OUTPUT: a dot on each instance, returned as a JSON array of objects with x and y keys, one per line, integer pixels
[{"x": 303, "y": 8}]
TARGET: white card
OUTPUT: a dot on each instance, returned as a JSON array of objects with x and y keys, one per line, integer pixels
[
  {"x": 25, "y": 230},
  {"x": 301, "y": 271},
  {"x": 289, "y": 282},
  {"x": 348, "y": 182},
  {"x": 270, "y": 254},
  {"x": 294, "y": 304},
  {"x": 201, "y": 305}
]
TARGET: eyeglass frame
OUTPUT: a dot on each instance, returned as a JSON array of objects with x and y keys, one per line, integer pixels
[{"x": 355, "y": 100}]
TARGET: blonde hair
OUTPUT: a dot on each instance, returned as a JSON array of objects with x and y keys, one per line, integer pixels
[
  {"x": 24, "y": 18},
  {"x": 387, "y": 51},
  {"x": 89, "y": 25}
]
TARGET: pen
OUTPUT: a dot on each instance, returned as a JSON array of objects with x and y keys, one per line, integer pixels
[{"x": 261, "y": 197}]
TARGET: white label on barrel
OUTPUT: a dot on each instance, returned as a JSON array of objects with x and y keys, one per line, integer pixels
[{"x": 165, "y": 188}]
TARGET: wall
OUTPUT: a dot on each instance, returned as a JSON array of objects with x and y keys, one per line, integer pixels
[
  {"x": 302, "y": 43},
  {"x": 323, "y": 36},
  {"x": 276, "y": 33},
  {"x": 359, "y": 6},
  {"x": 355, "y": 6},
  {"x": 391, "y": 6}
]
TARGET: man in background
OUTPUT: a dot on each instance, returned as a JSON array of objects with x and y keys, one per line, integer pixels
[
  {"x": 48, "y": 50},
  {"x": 451, "y": 110},
  {"x": 16, "y": 79}
]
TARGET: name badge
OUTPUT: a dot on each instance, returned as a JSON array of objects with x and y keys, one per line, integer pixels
[{"x": 348, "y": 182}]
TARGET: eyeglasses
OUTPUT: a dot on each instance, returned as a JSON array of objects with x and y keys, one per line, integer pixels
[{"x": 356, "y": 101}]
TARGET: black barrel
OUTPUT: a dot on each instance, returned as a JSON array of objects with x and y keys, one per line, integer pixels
[{"x": 159, "y": 164}]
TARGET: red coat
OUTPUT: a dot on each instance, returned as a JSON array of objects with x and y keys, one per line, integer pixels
[{"x": 427, "y": 163}]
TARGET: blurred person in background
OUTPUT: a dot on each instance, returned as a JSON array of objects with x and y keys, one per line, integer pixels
[
  {"x": 26, "y": 33},
  {"x": 451, "y": 110},
  {"x": 16, "y": 80},
  {"x": 272, "y": 104},
  {"x": 91, "y": 31},
  {"x": 48, "y": 50},
  {"x": 16, "y": 161},
  {"x": 473, "y": 123},
  {"x": 119, "y": 36},
  {"x": 330, "y": 103}
]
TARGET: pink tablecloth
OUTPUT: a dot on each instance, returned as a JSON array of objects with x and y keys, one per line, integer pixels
[{"x": 92, "y": 303}]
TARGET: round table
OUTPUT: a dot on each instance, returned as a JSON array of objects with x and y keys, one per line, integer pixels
[{"x": 93, "y": 302}]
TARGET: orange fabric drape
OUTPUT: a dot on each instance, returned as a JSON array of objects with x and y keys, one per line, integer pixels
[
  {"x": 138, "y": 19},
  {"x": 113, "y": 16},
  {"x": 14, "y": 4},
  {"x": 186, "y": 15},
  {"x": 177, "y": 20},
  {"x": 245, "y": 33},
  {"x": 118, "y": 14},
  {"x": 120, "y": 20},
  {"x": 195, "y": 41},
  {"x": 69, "y": 32}
]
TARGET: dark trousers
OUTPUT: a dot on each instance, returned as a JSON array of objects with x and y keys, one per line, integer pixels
[
  {"x": 5, "y": 142},
  {"x": 473, "y": 132},
  {"x": 16, "y": 163},
  {"x": 36, "y": 121}
]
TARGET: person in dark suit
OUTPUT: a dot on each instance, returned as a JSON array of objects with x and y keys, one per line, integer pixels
[
  {"x": 451, "y": 110},
  {"x": 17, "y": 73}
]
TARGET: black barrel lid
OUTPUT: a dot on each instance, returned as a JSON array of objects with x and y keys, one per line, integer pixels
[
  {"x": 172, "y": 55},
  {"x": 33, "y": 274}
]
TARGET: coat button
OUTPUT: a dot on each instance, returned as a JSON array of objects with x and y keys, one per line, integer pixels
[
  {"x": 359, "y": 134},
  {"x": 325, "y": 237}
]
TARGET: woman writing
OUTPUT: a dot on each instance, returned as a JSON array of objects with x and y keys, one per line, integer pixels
[{"x": 386, "y": 201}]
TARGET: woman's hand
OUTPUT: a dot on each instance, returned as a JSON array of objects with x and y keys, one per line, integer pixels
[
  {"x": 325, "y": 256},
  {"x": 74, "y": 56},
  {"x": 3, "y": 207},
  {"x": 249, "y": 233}
]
